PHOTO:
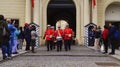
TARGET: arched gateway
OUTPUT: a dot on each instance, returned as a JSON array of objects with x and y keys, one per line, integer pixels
[
  {"x": 112, "y": 14},
  {"x": 61, "y": 10},
  {"x": 68, "y": 10}
]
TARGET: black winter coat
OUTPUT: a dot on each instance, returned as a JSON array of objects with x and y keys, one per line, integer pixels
[{"x": 5, "y": 39}]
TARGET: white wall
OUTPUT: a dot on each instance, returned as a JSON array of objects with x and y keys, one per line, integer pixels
[
  {"x": 113, "y": 13},
  {"x": 13, "y": 9}
]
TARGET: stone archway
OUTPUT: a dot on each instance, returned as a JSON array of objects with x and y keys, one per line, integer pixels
[
  {"x": 78, "y": 18},
  {"x": 112, "y": 14},
  {"x": 102, "y": 6},
  {"x": 62, "y": 10},
  {"x": 107, "y": 3}
]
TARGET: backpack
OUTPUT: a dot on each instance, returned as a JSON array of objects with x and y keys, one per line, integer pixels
[
  {"x": 3, "y": 31},
  {"x": 117, "y": 34},
  {"x": 1, "y": 28}
]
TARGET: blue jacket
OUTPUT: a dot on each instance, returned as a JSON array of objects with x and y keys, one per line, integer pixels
[
  {"x": 16, "y": 33},
  {"x": 12, "y": 29}
]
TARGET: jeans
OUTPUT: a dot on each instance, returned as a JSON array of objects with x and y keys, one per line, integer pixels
[
  {"x": 11, "y": 44},
  {"x": 20, "y": 43},
  {"x": 5, "y": 50},
  {"x": 15, "y": 46}
]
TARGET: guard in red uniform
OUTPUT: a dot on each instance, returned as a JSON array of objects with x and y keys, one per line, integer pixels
[
  {"x": 59, "y": 38},
  {"x": 53, "y": 40},
  {"x": 67, "y": 37},
  {"x": 49, "y": 37}
]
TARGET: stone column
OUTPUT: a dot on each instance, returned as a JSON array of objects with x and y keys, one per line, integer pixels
[
  {"x": 94, "y": 13},
  {"x": 41, "y": 21},
  {"x": 86, "y": 12},
  {"x": 36, "y": 12},
  {"x": 86, "y": 19},
  {"x": 82, "y": 23},
  {"x": 78, "y": 22},
  {"x": 28, "y": 11}
]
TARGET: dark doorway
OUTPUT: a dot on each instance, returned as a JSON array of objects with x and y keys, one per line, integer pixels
[
  {"x": 62, "y": 10},
  {"x": 115, "y": 23},
  {"x": 14, "y": 21}
]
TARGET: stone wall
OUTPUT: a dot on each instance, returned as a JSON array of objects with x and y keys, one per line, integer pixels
[
  {"x": 13, "y": 9},
  {"x": 101, "y": 6}
]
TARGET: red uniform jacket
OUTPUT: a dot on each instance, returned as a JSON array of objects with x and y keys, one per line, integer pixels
[
  {"x": 105, "y": 34},
  {"x": 68, "y": 34},
  {"x": 49, "y": 33},
  {"x": 53, "y": 35},
  {"x": 59, "y": 33}
]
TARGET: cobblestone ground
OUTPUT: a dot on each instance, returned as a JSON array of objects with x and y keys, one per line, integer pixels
[{"x": 79, "y": 56}]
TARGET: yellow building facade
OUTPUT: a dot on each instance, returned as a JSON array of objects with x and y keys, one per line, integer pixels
[{"x": 84, "y": 13}]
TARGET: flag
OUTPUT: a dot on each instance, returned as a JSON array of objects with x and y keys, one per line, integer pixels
[
  {"x": 32, "y": 3},
  {"x": 94, "y": 2}
]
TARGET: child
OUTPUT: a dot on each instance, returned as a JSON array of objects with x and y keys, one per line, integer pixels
[{"x": 33, "y": 37}]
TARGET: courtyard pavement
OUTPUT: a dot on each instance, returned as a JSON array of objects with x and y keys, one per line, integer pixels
[
  {"x": 21, "y": 51},
  {"x": 79, "y": 56}
]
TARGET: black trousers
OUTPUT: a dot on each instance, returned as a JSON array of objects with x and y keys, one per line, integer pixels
[
  {"x": 113, "y": 45},
  {"x": 49, "y": 44},
  {"x": 54, "y": 45},
  {"x": 117, "y": 43},
  {"x": 27, "y": 44},
  {"x": 33, "y": 44},
  {"x": 91, "y": 41},
  {"x": 67, "y": 44},
  {"x": 59, "y": 45},
  {"x": 105, "y": 45}
]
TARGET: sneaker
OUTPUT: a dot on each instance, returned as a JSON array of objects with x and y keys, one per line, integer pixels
[
  {"x": 9, "y": 58},
  {"x": 104, "y": 52},
  {"x": 4, "y": 57}
]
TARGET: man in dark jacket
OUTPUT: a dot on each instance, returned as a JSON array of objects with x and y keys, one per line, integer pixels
[
  {"x": 4, "y": 39},
  {"x": 27, "y": 34},
  {"x": 112, "y": 38}
]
